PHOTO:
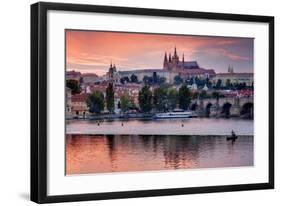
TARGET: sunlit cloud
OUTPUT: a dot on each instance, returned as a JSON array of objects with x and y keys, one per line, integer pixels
[
  {"x": 227, "y": 42},
  {"x": 225, "y": 53},
  {"x": 88, "y": 51}
]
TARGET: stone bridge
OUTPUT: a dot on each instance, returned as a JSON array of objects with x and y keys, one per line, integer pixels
[{"x": 212, "y": 107}]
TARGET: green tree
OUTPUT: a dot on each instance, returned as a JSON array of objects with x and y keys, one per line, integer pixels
[
  {"x": 218, "y": 84},
  {"x": 203, "y": 94},
  {"x": 145, "y": 99},
  {"x": 162, "y": 80},
  {"x": 155, "y": 78},
  {"x": 208, "y": 83},
  {"x": 178, "y": 80},
  {"x": 216, "y": 95},
  {"x": 95, "y": 102},
  {"x": 184, "y": 97},
  {"x": 110, "y": 97},
  {"x": 147, "y": 80},
  {"x": 74, "y": 86},
  {"x": 191, "y": 81},
  {"x": 124, "y": 80},
  {"x": 125, "y": 102},
  {"x": 200, "y": 82},
  {"x": 160, "y": 99},
  {"x": 134, "y": 78},
  {"x": 195, "y": 95},
  {"x": 228, "y": 83},
  {"x": 173, "y": 96}
]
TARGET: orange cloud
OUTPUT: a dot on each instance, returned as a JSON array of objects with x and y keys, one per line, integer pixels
[{"x": 94, "y": 50}]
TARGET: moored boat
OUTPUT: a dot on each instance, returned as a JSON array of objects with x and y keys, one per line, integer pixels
[{"x": 175, "y": 114}]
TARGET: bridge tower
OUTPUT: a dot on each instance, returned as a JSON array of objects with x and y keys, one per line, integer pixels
[{"x": 235, "y": 108}]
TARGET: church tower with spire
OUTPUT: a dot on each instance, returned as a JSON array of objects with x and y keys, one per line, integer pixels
[
  {"x": 182, "y": 61},
  {"x": 111, "y": 71},
  {"x": 230, "y": 69},
  {"x": 175, "y": 58},
  {"x": 165, "y": 63},
  {"x": 170, "y": 58},
  {"x": 174, "y": 63}
]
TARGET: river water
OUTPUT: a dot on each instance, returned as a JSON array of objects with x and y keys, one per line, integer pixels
[
  {"x": 194, "y": 126},
  {"x": 137, "y": 145}
]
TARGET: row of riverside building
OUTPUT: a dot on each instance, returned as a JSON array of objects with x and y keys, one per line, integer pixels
[{"x": 172, "y": 66}]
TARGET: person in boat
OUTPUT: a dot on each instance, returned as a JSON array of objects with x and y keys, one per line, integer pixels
[{"x": 233, "y": 135}]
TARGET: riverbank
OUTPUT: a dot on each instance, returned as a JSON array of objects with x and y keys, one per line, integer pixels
[
  {"x": 140, "y": 116},
  {"x": 120, "y": 116}
]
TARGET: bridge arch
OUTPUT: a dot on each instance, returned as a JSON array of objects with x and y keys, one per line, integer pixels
[
  {"x": 194, "y": 106},
  {"x": 226, "y": 109},
  {"x": 247, "y": 110},
  {"x": 208, "y": 109}
]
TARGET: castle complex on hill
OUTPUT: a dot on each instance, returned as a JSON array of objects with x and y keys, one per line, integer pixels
[
  {"x": 172, "y": 66},
  {"x": 185, "y": 69}
]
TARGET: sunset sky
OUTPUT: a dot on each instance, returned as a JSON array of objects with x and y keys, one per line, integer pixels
[{"x": 92, "y": 51}]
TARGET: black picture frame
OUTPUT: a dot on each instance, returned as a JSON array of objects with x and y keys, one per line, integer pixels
[{"x": 39, "y": 101}]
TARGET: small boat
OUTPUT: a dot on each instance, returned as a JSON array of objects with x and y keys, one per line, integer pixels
[
  {"x": 233, "y": 137},
  {"x": 174, "y": 114}
]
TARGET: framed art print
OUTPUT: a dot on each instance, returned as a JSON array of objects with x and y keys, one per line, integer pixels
[{"x": 134, "y": 102}]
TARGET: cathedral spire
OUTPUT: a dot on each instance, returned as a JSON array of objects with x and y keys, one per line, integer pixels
[
  {"x": 165, "y": 57},
  {"x": 114, "y": 68},
  {"x": 183, "y": 58},
  {"x": 175, "y": 52},
  {"x": 170, "y": 58},
  {"x": 230, "y": 69}
]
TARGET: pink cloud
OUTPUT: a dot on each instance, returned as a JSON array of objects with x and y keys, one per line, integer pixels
[
  {"x": 95, "y": 50},
  {"x": 227, "y": 42},
  {"x": 230, "y": 55}
]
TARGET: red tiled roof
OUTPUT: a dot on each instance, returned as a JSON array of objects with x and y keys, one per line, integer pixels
[
  {"x": 98, "y": 88},
  {"x": 89, "y": 75},
  {"x": 246, "y": 92},
  {"x": 129, "y": 86},
  {"x": 73, "y": 72},
  {"x": 79, "y": 97},
  {"x": 104, "y": 83}
]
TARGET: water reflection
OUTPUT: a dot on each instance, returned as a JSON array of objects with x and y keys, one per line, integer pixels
[{"x": 122, "y": 153}]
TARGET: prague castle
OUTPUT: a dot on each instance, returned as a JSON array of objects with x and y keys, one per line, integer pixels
[
  {"x": 186, "y": 69},
  {"x": 172, "y": 66},
  {"x": 173, "y": 63}
]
